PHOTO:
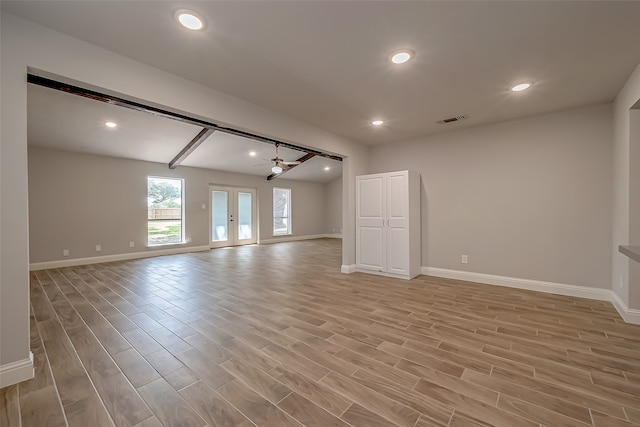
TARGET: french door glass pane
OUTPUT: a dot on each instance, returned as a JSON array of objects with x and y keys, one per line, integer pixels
[
  {"x": 220, "y": 213},
  {"x": 244, "y": 215}
]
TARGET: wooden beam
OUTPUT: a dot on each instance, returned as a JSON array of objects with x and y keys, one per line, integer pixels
[
  {"x": 126, "y": 103},
  {"x": 301, "y": 160},
  {"x": 190, "y": 147}
]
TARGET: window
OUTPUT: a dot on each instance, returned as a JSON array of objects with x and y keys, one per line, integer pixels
[
  {"x": 281, "y": 211},
  {"x": 165, "y": 211}
]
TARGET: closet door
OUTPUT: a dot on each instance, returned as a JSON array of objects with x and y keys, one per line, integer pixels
[
  {"x": 371, "y": 199},
  {"x": 398, "y": 223}
]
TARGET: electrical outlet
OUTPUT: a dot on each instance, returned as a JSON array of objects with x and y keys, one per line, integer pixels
[
  {"x": 131, "y": 244},
  {"x": 465, "y": 259},
  {"x": 204, "y": 206},
  {"x": 98, "y": 248},
  {"x": 65, "y": 252},
  {"x": 188, "y": 239}
]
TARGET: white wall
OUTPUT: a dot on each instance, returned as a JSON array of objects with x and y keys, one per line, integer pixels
[
  {"x": 528, "y": 198},
  {"x": 626, "y": 274},
  {"x": 333, "y": 206},
  {"x": 27, "y": 45},
  {"x": 14, "y": 251},
  {"x": 77, "y": 201},
  {"x": 634, "y": 204}
]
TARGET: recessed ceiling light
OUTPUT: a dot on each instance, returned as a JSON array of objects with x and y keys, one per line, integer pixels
[
  {"x": 252, "y": 153},
  {"x": 110, "y": 124},
  {"x": 327, "y": 168},
  {"x": 189, "y": 20},
  {"x": 377, "y": 122},
  {"x": 520, "y": 87},
  {"x": 401, "y": 56}
]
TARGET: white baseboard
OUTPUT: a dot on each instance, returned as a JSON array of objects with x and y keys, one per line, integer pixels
[
  {"x": 117, "y": 257},
  {"x": 629, "y": 315},
  {"x": 348, "y": 269},
  {"x": 295, "y": 238},
  {"x": 158, "y": 252},
  {"x": 333, "y": 235},
  {"x": 13, "y": 373}
]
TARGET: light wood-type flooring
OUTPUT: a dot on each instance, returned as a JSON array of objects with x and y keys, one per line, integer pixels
[{"x": 275, "y": 335}]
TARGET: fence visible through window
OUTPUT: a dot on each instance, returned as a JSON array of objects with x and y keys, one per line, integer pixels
[{"x": 164, "y": 211}]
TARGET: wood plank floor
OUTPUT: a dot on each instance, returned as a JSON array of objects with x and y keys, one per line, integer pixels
[{"x": 275, "y": 335}]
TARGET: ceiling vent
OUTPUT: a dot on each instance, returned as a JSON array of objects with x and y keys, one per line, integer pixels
[{"x": 451, "y": 119}]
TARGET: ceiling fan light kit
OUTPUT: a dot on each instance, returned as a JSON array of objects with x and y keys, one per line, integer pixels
[{"x": 278, "y": 163}]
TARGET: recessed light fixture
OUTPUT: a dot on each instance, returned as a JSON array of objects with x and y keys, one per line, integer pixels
[
  {"x": 276, "y": 169},
  {"x": 401, "y": 56},
  {"x": 521, "y": 87},
  {"x": 252, "y": 153},
  {"x": 110, "y": 124},
  {"x": 377, "y": 122},
  {"x": 327, "y": 168},
  {"x": 189, "y": 20}
]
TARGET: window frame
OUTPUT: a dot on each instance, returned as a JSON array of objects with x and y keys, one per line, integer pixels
[
  {"x": 289, "y": 230},
  {"x": 183, "y": 239}
]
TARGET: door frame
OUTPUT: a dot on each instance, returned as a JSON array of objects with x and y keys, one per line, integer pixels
[{"x": 232, "y": 211}]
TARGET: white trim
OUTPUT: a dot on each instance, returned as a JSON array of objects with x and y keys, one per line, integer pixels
[
  {"x": 515, "y": 282},
  {"x": 385, "y": 273},
  {"x": 629, "y": 315},
  {"x": 15, "y": 372},
  {"x": 348, "y": 269},
  {"x": 117, "y": 257},
  {"x": 295, "y": 238},
  {"x": 333, "y": 236}
]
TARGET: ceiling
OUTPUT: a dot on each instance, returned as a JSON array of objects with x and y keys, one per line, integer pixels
[
  {"x": 326, "y": 63},
  {"x": 62, "y": 121}
]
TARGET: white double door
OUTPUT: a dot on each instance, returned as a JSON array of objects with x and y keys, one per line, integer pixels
[{"x": 233, "y": 216}]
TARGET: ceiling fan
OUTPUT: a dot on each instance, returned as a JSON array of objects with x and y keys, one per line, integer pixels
[{"x": 280, "y": 165}]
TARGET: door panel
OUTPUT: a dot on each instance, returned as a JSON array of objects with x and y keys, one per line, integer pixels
[
  {"x": 372, "y": 249},
  {"x": 370, "y": 223},
  {"x": 398, "y": 223},
  {"x": 397, "y": 196},
  {"x": 398, "y": 250},
  {"x": 370, "y": 198}
]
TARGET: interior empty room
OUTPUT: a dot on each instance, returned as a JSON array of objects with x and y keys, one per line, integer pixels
[{"x": 369, "y": 213}]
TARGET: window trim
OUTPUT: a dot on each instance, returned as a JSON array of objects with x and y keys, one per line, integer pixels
[
  {"x": 289, "y": 231},
  {"x": 183, "y": 239}
]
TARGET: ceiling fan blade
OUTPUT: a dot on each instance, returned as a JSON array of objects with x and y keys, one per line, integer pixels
[{"x": 290, "y": 163}]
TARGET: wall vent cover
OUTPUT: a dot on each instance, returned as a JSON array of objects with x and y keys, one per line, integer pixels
[{"x": 452, "y": 119}]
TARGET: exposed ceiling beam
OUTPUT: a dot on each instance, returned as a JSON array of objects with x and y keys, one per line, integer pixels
[
  {"x": 301, "y": 160},
  {"x": 190, "y": 147},
  {"x": 126, "y": 103}
]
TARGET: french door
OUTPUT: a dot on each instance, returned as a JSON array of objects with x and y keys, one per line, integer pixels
[{"x": 233, "y": 216}]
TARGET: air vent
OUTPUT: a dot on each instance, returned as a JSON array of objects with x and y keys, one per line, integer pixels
[{"x": 451, "y": 119}]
